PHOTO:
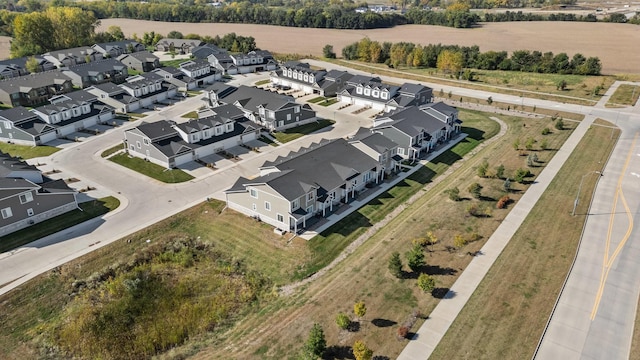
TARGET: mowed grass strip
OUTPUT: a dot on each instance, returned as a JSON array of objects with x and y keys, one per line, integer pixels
[
  {"x": 112, "y": 150},
  {"x": 89, "y": 211},
  {"x": 299, "y": 131},
  {"x": 27, "y": 152},
  {"x": 150, "y": 169},
  {"x": 326, "y": 246},
  {"x": 506, "y": 315},
  {"x": 625, "y": 95}
]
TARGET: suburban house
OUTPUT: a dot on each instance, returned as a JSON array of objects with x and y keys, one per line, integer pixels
[
  {"x": 181, "y": 46},
  {"x": 18, "y": 67},
  {"x": 171, "y": 145},
  {"x": 137, "y": 92},
  {"x": 27, "y": 197},
  {"x": 73, "y": 56},
  {"x": 312, "y": 181},
  {"x": 300, "y": 76},
  {"x": 34, "y": 89},
  {"x": 116, "y": 48},
  {"x": 273, "y": 111},
  {"x": 418, "y": 129},
  {"x": 64, "y": 115},
  {"x": 97, "y": 72},
  {"x": 254, "y": 61},
  {"x": 200, "y": 71},
  {"x": 205, "y": 50},
  {"x": 142, "y": 61},
  {"x": 372, "y": 93},
  {"x": 176, "y": 77},
  {"x": 23, "y": 127}
]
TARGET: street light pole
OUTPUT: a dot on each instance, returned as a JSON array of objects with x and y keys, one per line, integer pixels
[{"x": 575, "y": 202}]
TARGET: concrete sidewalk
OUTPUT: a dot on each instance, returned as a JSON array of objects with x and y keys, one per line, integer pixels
[{"x": 438, "y": 322}]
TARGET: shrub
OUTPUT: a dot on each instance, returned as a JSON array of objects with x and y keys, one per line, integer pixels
[
  {"x": 546, "y": 131},
  {"x": 481, "y": 170},
  {"x": 544, "y": 145},
  {"x": 500, "y": 171},
  {"x": 507, "y": 185},
  {"x": 415, "y": 258},
  {"x": 521, "y": 174},
  {"x": 395, "y": 265},
  {"x": 475, "y": 189},
  {"x": 529, "y": 144},
  {"x": 459, "y": 241},
  {"x": 361, "y": 351},
  {"x": 426, "y": 282},
  {"x": 454, "y": 193},
  {"x": 472, "y": 209},
  {"x": 343, "y": 321},
  {"x": 403, "y": 331},
  {"x": 559, "y": 124},
  {"x": 503, "y": 202}
]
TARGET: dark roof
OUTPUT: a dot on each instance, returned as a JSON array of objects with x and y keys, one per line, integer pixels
[
  {"x": 96, "y": 67},
  {"x": 14, "y": 186},
  {"x": 123, "y": 44},
  {"x": 37, "y": 80},
  {"x": 78, "y": 95},
  {"x": 81, "y": 51},
  {"x": 412, "y": 121},
  {"x": 363, "y": 79},
  {"x": 411, "y": 88},
  {"x": 17, "y": 114},
  {"x": 203, "y": 51},
  {"x": 8, "y": 164},
  {"x": 156, "y": 129},
  {"x": 375, "y": 141},
  {"x": 180, "y": 42},
  {"x": 251, "y": 98},
  {"x": 55, "y": 186},
  {"x": 142, "y": 56},
  {"x": 108, "y": 87},
  {"x": 443, "y": 108},
  {"x": 228, "y": 111}
]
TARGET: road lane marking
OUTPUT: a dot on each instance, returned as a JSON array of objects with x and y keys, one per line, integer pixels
[{"x": 608, "y": 261}]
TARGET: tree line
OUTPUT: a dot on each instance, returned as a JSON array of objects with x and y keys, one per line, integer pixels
[
  {"x": 454, "y": 58},
  {"x": 232, "y": 42}
]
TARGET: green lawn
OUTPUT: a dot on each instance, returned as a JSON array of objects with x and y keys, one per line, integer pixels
[
  {"x": 27, "y": 152},
  {"x": 112, "y": 150},
  {"x": 262, "y": 82},
  {"x": 133, "y": 72},
  {"x": 299, "y": 131},
  {"x": 329, "y": 101},
  {"x": 266, "y": 140},
  {"x": 173, "y": 63},
  {"x": 317, "y": 99},
  {"x": 89, "y": 211},
  {"x": 326, "y": 246},
  {"x": 625, "y": 95},
  {"x": 190, "y": 115},
  {"x": 151, "y": 170}
]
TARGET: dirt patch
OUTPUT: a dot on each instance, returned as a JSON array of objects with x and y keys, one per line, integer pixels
[
  {"x": 612, "y": 43},
  {"x": 5, "y": 44}
]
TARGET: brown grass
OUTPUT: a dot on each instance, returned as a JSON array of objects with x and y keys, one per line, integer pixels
[
  {"x": 507, "y": 313},
  {"x": 612, "y": 43}
]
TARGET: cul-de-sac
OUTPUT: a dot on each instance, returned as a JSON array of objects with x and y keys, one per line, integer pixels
[{"x": 329, "y": 179}]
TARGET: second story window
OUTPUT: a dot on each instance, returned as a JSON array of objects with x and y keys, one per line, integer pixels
[{"x": 25, "y": 198}]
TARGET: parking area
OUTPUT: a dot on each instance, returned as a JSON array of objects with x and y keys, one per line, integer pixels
[
  {"x": 86, "y": 191},
  {"x": 205, "y": 165}
]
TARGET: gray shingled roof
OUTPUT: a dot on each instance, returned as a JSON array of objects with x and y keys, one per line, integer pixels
[
  {"x": 8, "y": 164},
  {"x": 412, "y": 121},
  {"x": 96, "y": 67},
  {"x": 17, "y": 114},
  {"x": 38, "y": 80},
  {"x": 156, "y": 129},
  {"x": 375, "y": 141},
  {"x": 251, "y": 98},
  {"x": 143, "y": 56}
]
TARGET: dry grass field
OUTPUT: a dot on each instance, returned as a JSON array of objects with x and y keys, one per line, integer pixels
[{"x": 612, "y": 43}]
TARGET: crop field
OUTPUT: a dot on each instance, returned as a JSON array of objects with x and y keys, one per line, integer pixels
[{"x": 612, "y": 43}]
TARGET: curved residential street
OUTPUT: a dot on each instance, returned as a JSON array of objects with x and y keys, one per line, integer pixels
[{"x": 596, "y": 311}]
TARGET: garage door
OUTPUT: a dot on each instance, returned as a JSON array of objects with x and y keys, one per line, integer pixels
[
  {"x": 183, "y": 159},
  {"x": 50, "y": 136}
]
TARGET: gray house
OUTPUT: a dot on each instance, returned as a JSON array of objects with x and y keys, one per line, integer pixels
[
  {"x": 418, "y": 129},
  {"x": 142, "y": 61},
  {"x": 97, "y": 72},
  {"x": 140, "y": 91},
  {"x": 171, "y": 145},
  {"x": 18, "y": 67},
  {"x": 31, "y": 199},
  {"x": 73, "y": 56},
  {"x": 181, "y": 46},
  {"x": 34, "y": 89},
  {"x": 311, "y": 182},
  {"x": 23, "y": 127},
  {"x": 176, "y": 77},
  {"x": 273, "y": 111},
  {"x": 205, "y": 50},
  {"x": 116, "y": 48},
  {"x": 253, "y": 61},
  {"x": 372, "y": 93},
  {"x": 200, "y": 71}
]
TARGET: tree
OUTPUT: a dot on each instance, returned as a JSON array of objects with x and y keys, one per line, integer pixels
[
  {"x": 459, "y": 241},
  {"x": 343, "y": 321},
  {"x": 544, "y": 144},
  {"x": 450, "y": 62},
  {"x": 415, "y": 257},
  {"x": 426, "y": 282},
  {"x": 507, "y": 185},
  {"x": 175, "y": 35},
  {"x": 431, "y": 239},
  {"x": 316, "y": 343},
  {"x": 516, "y": 144},
  {"x": 115, "y": 33},
  {"x": 360, "y": 309},
  {"x": 454, "y": 193},
  {"x": 327, "y": 51},
  {"x": 489, "y": 100},
  {"x": 521, "y": 174},
  {"x": 562, "y": 85},
  {"x": 500, "y": 171},
  {"x": 481, "y": 170},
  {"x": 395, "y": 264},
  {"x": 361, "y": 351},
  {"x": 529, "y": 143},
  {"x": 32, "y": 65},
  {"x": 475, "y": 190},
  {"x": 559, "y": 124}
]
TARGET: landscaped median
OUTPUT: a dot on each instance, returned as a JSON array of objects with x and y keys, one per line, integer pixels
[
  {"x": 27, "y": 152},
  {"x": 150, "y": 169},
  {"x": 89, "y": 211}
]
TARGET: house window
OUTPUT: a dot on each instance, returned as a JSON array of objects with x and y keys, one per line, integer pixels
[
  {"x": 359, "y": 90},
  {"x": 400, "y": 151},
  {"x": 280, "y": 218},
  {"x": 384, "y": 95},
  {"x": 375, "y": 93},
  {"x": 310, "y": 209},
  {"x": 253, "y": 193},
  {"x": 295, "y": 204},
  {"x": 138, "y": 144},
  {"x": 310, "y": 196},
  {"x": 367, "y": 92},
  {"x": 288, "y": 117},
  {"x": 230, "y": 127},
  {"x": 296, "y": 109},
  {"x": 7, "y": 124},
  {"x": 131, "y": 147},
  {"x": 267, "y": 206},
  {"x": 29, "y": 212},
  {"x": 25, "y": 198},
  {"x": 145, "y": 141},
  {"x": 6, "y": 213},
  {"x": 254, "y": 207}
]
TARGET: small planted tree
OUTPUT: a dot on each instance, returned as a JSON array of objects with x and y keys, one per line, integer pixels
[
  {"x": 529, "y": 144},
  {"x": 500, "y": 171},
  {"x": 395, "y": 265},
  {"x": 489, "y": 100},
  {"x": 361, "y": 351},
  {"x": 454, "y": 193},
  {"x": 507, "y": 185},
  {"x": 343, "y": 321},
  {"x": 431, "y": 239},
  {"x": 546, "y": 131},
  {"x": 562, "y": 85},
  {"x": 559, "y": 124},
  {"x": 360, "y": 309},
  {"x": 327, "y": 51},
  {"x": 459, "y": 241},
  {"x": 415, "y": 258},
  {"x": 426, "y": 282},
  {"x": 544, "y": 144},
  {"x": 316, "y": 343},
  {"x": 521, "y": 174},
  {"x": 475, "y": 190},
  {"x": 516, "y": 144},
  {"x": 481, "y": 170}
]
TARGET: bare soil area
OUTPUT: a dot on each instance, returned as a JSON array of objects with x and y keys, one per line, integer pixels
[
  {"x": 612, "y": 43},
  {"x": 4, "y": 47}
]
